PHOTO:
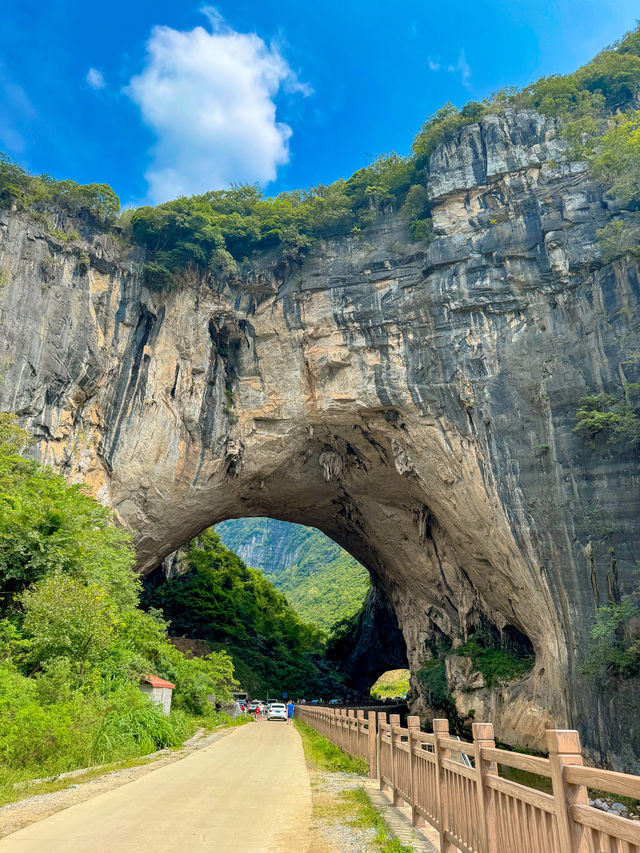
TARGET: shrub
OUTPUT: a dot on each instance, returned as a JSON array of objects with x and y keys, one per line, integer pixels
[
  {"x": 97, "y": 202},
  {"x": 433, "y": 677},
  {"x": 620, "y": 237},
  {"x": 613, "y": 422},
  {"x": 617, "y": 160},
  {"x": 614, "y": 640},
  {"x": 156, "y": 276},
  {"x": 66, "y": 618},
  {"x": 441, "y": 126}
]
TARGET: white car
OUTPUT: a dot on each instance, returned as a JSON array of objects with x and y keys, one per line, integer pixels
[{"x": 277, "y": 711}]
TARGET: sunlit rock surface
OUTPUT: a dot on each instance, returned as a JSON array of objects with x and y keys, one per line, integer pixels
[{"x": 416, "y": 404}]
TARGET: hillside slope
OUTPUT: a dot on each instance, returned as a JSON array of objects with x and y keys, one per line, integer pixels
[
  {"x": 321, "y": 581},
  {"x": 233, "y": 607}
]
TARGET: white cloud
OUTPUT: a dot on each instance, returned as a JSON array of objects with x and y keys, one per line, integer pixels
[
  {"x": 16, "y": 114},
  {"x": 460, "y": 68},
  {"x": 95, "y": 79},
  {"x": 209, "y": 97}
]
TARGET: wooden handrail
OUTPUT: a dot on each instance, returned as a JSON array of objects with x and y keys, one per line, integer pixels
[
  {"x": 529, "y": 763},
  {"x": 470, "y": 805},
  {"x": 605, "y": 780}
]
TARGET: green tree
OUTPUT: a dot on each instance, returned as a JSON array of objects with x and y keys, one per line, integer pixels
[
  {"x": 617, "y": 161},
  {"x": 67, "y": 618},
  {"x": 47, "y": 525},
  {"x": 614, "y": 640}
]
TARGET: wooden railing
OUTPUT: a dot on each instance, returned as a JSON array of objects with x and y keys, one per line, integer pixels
[{"x": 456, "y": 786}]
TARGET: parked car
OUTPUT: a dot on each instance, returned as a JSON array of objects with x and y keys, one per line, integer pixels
[
  {"x": 277, "y": 711},
  {"x": 335, "y": 701}
]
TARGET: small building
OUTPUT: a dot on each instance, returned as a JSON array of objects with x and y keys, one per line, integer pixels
[{"x": 158, "y": 690}]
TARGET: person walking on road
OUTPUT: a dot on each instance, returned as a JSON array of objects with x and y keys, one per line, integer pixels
[
  {"x": 290, "y": 709},
  {"x": 257, "y": 715}
]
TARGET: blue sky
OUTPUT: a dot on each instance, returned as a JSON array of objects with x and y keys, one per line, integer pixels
[{"x": 159, "y": 98}]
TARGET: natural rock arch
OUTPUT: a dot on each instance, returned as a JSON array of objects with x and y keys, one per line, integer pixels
[{"x": 416, "y": 404}]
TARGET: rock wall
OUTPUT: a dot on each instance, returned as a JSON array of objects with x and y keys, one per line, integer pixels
[{"x": 416, "y": 404}]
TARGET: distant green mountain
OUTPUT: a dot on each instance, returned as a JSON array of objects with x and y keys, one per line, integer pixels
[{"x": 321, "y": 581}]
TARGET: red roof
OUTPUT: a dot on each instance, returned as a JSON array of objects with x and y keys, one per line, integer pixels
[{"x": 155, "y": 681}]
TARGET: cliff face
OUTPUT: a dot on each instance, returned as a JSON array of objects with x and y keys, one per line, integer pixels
[
  {"x": 265, "y": 543},
  {"x": 417, "y": 405}
]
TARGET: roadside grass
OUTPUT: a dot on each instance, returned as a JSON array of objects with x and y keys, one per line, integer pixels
[
  {"x": 325, "y": 755},
  {"x": 13, "y": 787},
  {"x": 219, "y": 720},
  {"x": 351, "y": 807}
]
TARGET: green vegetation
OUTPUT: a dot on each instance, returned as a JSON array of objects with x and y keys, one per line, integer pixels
[
  {"x": 614, "y": 642},
  {"x": 354, "y": 808},
  {"x": 610, "y": 422},
  {"x": 213, "y": 231},
  {"x": 325, "y": 755},
  {"x": 323, "y": 584},
  {"x": 73, "y": 641},
  {"x": 96, "y": 202},
  {"x": 393, "y": 683},
  {"x": 222, "y": 600},
  {"x": 46, "y": 526},
  {"x": 432, "y": 675},
  {"x": 501, "y": 657},
  {"x": 497, "y": 665}
]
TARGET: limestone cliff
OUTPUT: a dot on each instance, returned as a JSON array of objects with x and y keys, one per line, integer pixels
[{"x": 416, "y": 404}]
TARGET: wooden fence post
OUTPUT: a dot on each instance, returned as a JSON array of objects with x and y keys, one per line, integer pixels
[
  {"x": 373, "y": 751},
  {"x": 441, "y": 730},
  {"x": 483, "y": 737},
  {"x": 350, "y": 718},
  {"x": 382, "y": 720},
  {"x": 413, "y": 724},
  {"x": 360, "y": 751},
  {"x": 394, "y": 720},
  {"x": 564, "y": 748}
]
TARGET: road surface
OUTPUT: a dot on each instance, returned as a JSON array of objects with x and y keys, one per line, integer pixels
[{"x": 247, "y": 793}]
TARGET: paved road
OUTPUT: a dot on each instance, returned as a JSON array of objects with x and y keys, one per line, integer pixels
[{"x": 247, "y": 793}]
